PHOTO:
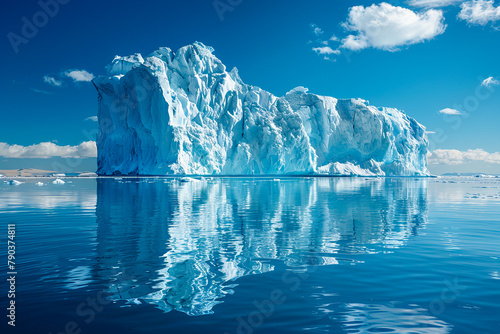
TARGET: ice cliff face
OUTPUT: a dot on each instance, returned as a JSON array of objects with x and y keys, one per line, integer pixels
[{"x": 183, "y": 113}]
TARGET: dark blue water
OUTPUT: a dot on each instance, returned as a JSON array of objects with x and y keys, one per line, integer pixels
[{"x": 243, "y": 255}]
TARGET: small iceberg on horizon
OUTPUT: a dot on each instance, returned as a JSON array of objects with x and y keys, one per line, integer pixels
[{"x": 58, "y": 181}]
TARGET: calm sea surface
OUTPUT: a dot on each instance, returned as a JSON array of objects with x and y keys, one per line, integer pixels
[{"x": 253, "y": 255}]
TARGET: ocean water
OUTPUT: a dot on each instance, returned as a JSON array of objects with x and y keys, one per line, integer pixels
[{"x": 254, "y": 255}]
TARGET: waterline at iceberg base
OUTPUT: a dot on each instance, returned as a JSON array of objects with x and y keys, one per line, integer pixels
[{"x": 182, "y": 113}]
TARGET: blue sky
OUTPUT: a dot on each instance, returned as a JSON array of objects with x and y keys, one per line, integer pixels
[{"x": 438, "y": 63}]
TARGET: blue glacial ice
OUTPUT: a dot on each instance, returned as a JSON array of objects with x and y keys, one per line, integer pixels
[{"x": 183, "y": 113}]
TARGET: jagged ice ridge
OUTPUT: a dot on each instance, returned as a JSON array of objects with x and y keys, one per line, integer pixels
[{"x": 183, "y": 113}]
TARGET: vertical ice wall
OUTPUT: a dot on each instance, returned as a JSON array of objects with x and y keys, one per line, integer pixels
[{"x": 184, "y": 113}]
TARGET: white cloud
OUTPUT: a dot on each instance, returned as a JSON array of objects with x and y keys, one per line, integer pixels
[
  {"x": 449, "y": 111},
  {"x": 334, "y": 38},
  {"x": 433, "y": 3},
  {"x": 456, "y": 157},
  {"x": 326, "y": 50},
  {"x": 92, "y": 118},
  {"x": 388, "y": 27},
  {"x": 79, "y": 75},
  {"x": 39, "y": 91},
  {"x": 52, "y": 81},
  {"x": 479, "y": 12},
  {"x": 323, "y": 47},
  {"x": 488, "y": 82},
  {"x": 46, "y": 150},
  {"x": 317, "y": 30}
]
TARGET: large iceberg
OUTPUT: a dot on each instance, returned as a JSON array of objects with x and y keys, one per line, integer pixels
[{"x": 183, "y": 113}]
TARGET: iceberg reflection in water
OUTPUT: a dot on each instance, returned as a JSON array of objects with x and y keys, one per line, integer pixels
[{"x": 181, "y": 245}]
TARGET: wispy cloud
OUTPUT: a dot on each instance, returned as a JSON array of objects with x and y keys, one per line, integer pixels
[
  {"x": 47, "y": 150},
  {"x": 450, "y": 111},
  {"x": 322, "y": 45},
  {"x": 39, "y": 91},
  {"x": 389, "y": 27},
  {"x": 79, "y": 75},
  {"x": 433, "y": 3},
  {"x": 52, "y": 81},
  {"x": 334, "y": 38},
  {"x": 92, "y": 118},
  {"x": 488, "y": 82},
  {"x": 456, "y": 157},
  {"x": 317, "y": 30},
  {"x": 325, "y": 50},
  {"x": 479, "y": 12}
]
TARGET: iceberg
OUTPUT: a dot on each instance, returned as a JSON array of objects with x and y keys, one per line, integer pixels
[
  {"x": 58, "y": 181},
  {"x": 183, "y": 113}
]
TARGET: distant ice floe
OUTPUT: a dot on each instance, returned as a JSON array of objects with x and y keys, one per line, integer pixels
[
  {"x": 466, "y": 188},
  {"x": 39, "y": 184},
  {"x": 87, "y": 175},
  {"x": 188, "y": 179},
  {"x": 58, "y": 181},
  {"x": 14, "y": 182}
]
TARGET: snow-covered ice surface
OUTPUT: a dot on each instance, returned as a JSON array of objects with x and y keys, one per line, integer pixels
[{"x": 183, "y": 113}]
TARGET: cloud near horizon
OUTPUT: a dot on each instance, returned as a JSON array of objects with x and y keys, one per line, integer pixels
[
  {"x": 79, "y": 75},
  {"x": 45, "y": 150},
  {"x": 456, "y": 157}
]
